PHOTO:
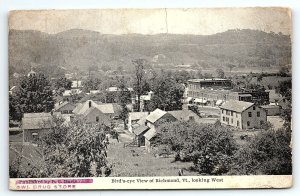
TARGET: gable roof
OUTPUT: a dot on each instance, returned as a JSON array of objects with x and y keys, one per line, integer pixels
[
  {"x": 81, "y": 108},
  {"x": 183, "y": 114},
  {"x": 237, "y": 106},
  {"x": 155, "y": 115},
  {"x": 141, "y": 129},
  {"x": 61, "y": 105},
  {"x": 137, "y": 115},
  {"x": 107, "y": 108},
  {"x": 37, "y": 121},
  {"x": 150, "y": 134}
]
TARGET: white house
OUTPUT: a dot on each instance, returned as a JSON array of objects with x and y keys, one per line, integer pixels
[{"x": 243, "y": 115}]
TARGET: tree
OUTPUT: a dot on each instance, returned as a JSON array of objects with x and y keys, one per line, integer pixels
[
  {"x": 77, "y": 150},
  {"x": 62, "y": 84},
  {"x": 220, "y": 73},
  {"x": 124, "y": 97},
  {"x": 268, "y": 153},
  {"x": 167, "y": 94},
  {"x": 139, "y": 79},
  {"x": 32, "y": 96},
  {"x": 209, "y": 146},
  {"x": 230, "y": 66},
  {"x": 91, "y": 83}
]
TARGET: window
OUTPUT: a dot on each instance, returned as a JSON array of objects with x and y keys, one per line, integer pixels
[
  {"x": 227, "y": 119},
  {"x": 248, "y": 123},
  {"x": 232, "y": 121},
  {"x": 231, "y": 113},
  {"x": 97, "y": 118},
  {"x": 238, "y": 123},
  {"x": 249, "y": 114},
  {"x": 224, "y": 118},
  {"x": 258, "y": 114},
  {"x": 191, "y": 118},
  {"x": 254, "y": 108},
  {"x": 222, "y": 111},
  {"x": 261, "y": 122}
]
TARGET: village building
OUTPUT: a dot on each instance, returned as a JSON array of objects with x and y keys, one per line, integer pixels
[
  {"x": 208, "y": 91},
  {"x": 35, "y": 125},
  {"x": 284, "y": 103},
  {"x": 190, "y": 116},
  {"x": 139, "y": 132},
  {"x": 153, "y": 120},
  {"x": 240, "y": 96},
  {"x": 243, "y": 115},
  {"x": 68, "y": 94},
  {"x": 134, "y": 117},
  {"x": 272, "y": 110},
  {"x": 112, "y": 93},
  {"x": 92, "y": 112},
  {"x": 64, "y": 107},
  {"x": 216, "y": 91},
  {"x": 76, "y": 84},
  {"x": 144, "y": 100}
]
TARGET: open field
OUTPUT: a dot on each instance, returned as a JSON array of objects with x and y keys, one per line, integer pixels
[{"x": 135, "y": 161}]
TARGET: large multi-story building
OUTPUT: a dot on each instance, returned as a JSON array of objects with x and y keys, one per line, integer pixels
[
  {"x": 209, "y": 91},
  {"x": 215, "y": 91},
  {"x": 243, "y": 115}
]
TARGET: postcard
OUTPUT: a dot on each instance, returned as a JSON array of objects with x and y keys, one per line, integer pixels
[{"x": 197, "y": 98}]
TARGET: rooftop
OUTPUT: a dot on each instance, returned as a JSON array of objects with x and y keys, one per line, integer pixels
[
  {"x": 36, "y": 121},
  {"x": 139, "y": 130},
  {"x": 237, "y": 106},
  {"x": 81, "y": 108},
  {"x": 155, "y": 115},
  {"x": 150, "y": 134},
  {"x": 137, "y": 115},
  {"x": 208, "y": 80}
]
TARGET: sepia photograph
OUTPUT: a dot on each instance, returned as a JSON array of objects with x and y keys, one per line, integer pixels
[{"x": 183, "y": 96}]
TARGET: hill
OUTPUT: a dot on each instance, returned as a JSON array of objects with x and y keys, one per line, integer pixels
[{"x": 82, "y": 48}]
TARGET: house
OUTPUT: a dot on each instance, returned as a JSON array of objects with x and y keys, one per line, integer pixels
[
  {"x": 153, "y": 120},
  {"x": 134, "y": 117},
  {"x": 35, "y": 125},
  {"x": 67, "y": 94},
  {"x": 93, "y": 112},
  {"x": 284, "y": 103},
  {"x": 243, "y": 115},
  {"x": 144, "y": 100},
  {"x": 190, "y": 116},
  {"x": 64, "y": 107},
  {"x": 272, "y": 110},
  {"x": 139, "y": 135},
  {"x": 76, "y": 84}
]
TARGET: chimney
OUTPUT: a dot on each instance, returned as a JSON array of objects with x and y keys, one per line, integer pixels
[{"x": 90, "y": 104}]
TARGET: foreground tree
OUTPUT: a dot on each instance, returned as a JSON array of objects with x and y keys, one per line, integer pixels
[
  {"x": 209, "y": 147},
  {"x": 78, "y": 150},
  {"x": 268, "y": 153},
  {"x": 34, "y": 95}
]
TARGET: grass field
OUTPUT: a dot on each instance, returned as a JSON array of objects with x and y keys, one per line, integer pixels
[{"x": 135, "y": 161}]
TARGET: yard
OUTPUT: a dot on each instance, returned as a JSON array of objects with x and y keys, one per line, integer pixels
[{"x": 135, "y": 161}]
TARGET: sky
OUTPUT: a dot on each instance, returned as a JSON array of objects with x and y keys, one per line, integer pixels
[{"x": 154, "y": 21}]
